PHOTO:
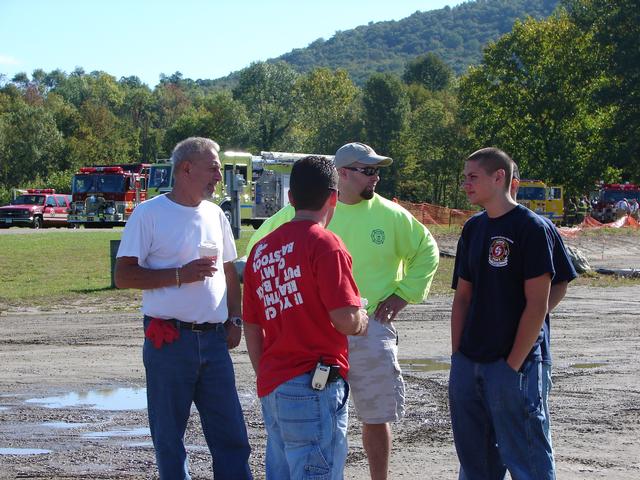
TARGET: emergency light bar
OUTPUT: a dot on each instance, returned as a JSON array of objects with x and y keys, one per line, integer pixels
[
  {"x": 621, "y": 186},
  {"x": 40, "y": 190},
  {"x": 101, "y": 170}
]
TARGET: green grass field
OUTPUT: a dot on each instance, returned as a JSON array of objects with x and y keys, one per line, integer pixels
[
  {"x": 63, "y": 266},
  {"x": 60, "y": 267}
]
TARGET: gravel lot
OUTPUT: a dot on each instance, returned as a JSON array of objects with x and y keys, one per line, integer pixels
[{"x": 86, "y": 350}]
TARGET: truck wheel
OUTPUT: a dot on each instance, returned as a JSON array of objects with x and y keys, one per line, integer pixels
[
  {"x": 256, "y": 224},
  {"x": 37, "y": 223},
  {"x": 228, "y": 213}
]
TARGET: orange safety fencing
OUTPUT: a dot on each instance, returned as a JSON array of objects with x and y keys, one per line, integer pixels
[
  {"x": 590, "y": 223},
  {"x": 429, "y": 214}
]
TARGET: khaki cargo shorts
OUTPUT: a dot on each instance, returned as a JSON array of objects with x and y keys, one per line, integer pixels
[{"x": 375, "y": 377}]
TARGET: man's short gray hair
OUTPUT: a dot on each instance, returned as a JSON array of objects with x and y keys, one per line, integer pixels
[{"x": 191, "y": 146}]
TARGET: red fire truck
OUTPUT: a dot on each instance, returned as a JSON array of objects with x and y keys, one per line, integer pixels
[
  {"x": 105, "y": 196},
  {"x": 36, "y": 208},
  {"x": 604, "y": 200}
]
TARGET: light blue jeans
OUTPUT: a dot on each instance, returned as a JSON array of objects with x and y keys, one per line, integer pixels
[
  {"x": 306, "y": 430},
  {"x": 498, "y": 420},
  {"x": 546, "y": 388},
  {"x": 196, "y": 368}
]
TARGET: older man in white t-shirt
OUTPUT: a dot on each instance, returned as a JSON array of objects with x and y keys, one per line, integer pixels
[{"x": 191, "y": 305}]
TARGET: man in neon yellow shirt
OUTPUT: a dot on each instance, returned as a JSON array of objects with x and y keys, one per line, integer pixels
[{"x": 394, "y": 260}]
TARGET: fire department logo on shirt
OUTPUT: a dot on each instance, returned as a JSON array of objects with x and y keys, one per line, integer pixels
[
  {"x": 377, "y": 236},
  {"x": 499, "y": 251}
]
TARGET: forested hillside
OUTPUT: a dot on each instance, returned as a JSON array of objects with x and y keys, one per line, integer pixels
[{"x": 457, "y": 35}]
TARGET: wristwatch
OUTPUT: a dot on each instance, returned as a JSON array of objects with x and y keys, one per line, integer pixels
[{"x": 237, "y": 321}]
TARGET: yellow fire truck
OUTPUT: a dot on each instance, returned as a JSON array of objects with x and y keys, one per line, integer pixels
[
  {"x": 263, "y": 182},
  {"x": 544, "y": 200}
]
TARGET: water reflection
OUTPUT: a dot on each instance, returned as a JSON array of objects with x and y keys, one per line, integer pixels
[
  {"x": 63, "y": 425},
  {"x": 104, "y": 399},
  {"x": 588, "y": 365},
  {"x": 116, "y": 399},
  {"x": 139, "y": 444},
  {"x": 134, "y": 432},
  {"x": 413, "y": 365},
  {"x": 23, "y": 451}
]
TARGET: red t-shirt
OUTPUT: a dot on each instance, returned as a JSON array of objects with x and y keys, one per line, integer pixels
[{"x": 293, "y": 278}]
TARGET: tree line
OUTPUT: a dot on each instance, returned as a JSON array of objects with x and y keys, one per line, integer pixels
[{"x": 561, "y": 95}]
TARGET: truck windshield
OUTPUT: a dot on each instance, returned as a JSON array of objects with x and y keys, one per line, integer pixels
[
  {"x": 98, "y": 183},
  {"x": 159, "y": 176},
  {"x": 531, "y": 193},
  {"x": 613, "y": 196},
  {"x": 28, "y": 200}
]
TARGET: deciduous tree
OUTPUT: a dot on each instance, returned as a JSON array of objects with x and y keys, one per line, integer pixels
[
  {"x": 329, "y": 110},
  {"x": 267, "y": 90}
]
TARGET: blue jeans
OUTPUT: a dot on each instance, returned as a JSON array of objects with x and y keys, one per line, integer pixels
[
  {"x": 546, "y": 388},
  {"x": 196, "y": 368},
  {"x": 306, "y": 430},
  {"x": 498, "y": 420}
]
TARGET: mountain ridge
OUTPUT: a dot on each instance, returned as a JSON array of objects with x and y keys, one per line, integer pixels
[{"x": 456, "y": 34}]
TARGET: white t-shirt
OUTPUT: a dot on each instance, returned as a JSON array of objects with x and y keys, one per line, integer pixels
[
  {"x": 164, "y": 234},
  {"x": 622, "y": 205}
]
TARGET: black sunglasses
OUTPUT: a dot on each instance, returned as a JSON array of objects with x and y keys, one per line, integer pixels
[{"x": 368, "y": 171}]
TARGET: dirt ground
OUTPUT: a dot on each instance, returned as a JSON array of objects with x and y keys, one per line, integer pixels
[{"x": 595, "y": 401}]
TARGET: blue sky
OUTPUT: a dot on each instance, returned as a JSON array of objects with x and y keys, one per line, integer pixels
[{"x": 201, "y": 39}]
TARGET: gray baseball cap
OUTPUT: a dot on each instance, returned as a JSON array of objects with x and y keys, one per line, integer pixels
[{"x": 357, "y": 152}]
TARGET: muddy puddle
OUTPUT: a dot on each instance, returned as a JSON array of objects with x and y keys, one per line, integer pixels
[
  {"x": 416, "y": 365},
  {"x": 63, "y": 425},
  {"x": 23, "y": 451},
  {"x": 104, "y": 399},
  {"x": 100, "y": 416},
  {"x": 114, "y": 399},
  {"x": 587, "y": 365},
  {"x": 133, "y": 432}
]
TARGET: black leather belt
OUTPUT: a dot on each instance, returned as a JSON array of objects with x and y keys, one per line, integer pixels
[
  {"x": 194, "y": 327},
  {"x": 197, "y": 327}
]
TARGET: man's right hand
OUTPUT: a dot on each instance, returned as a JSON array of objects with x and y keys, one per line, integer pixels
[
  {"x": 197, "y": 270},
  {"x": 364, "y": 323}
]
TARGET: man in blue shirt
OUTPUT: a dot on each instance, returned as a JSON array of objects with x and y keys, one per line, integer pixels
[
  {"x": 505, "y": 268},
  {"x": 564, "y": 273}
]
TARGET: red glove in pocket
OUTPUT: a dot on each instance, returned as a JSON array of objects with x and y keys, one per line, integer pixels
[{"x": 160, "y": 332}]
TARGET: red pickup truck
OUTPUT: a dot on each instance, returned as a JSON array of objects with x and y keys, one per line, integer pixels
[{"x": 36, "y": 208}]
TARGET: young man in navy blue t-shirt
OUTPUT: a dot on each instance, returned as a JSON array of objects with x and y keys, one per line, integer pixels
[
  {"x": 564, "y": 273},
  {"x": 504, "y": 270}
]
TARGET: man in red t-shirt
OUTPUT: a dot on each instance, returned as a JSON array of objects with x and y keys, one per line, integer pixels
[{"x": 300, "y": 302}]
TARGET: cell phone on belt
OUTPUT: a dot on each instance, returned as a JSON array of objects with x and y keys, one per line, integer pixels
[{"x": 320, "y": 376}]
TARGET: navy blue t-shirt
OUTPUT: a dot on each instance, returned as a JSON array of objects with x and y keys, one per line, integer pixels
[
  {"x": 565, "y": 272},
  {"x": 497, "y": 255}
]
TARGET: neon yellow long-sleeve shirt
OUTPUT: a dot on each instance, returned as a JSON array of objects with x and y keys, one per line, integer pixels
[{"x": 392, "y": 252}]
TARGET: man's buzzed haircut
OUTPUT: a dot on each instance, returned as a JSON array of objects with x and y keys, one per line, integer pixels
[
  {"x": 492, "y": 159},
  {"x": 312, "y": 180}
]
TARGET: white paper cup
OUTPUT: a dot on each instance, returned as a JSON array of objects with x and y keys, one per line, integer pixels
[{"x": 208, "y": 249}]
